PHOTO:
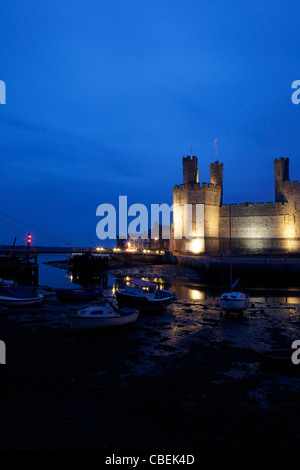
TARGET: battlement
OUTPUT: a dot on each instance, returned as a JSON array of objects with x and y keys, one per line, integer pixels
[
  {"x": 294, "y": 184},
  {"x": 188, "y": 158},
  {"x": 216, "y": 164},
  {"x": 197, "y": 186},
  {"x": 281, "y": 160},
  {"x": 254, "y": 209},
  {"x": 254, "y": 204}
]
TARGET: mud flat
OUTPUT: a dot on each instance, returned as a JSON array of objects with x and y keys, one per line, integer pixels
[
  {"x": 185, "y": 380},
  {"x": 163, "y": 272}
]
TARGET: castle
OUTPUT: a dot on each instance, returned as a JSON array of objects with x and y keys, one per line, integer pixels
[{"x": 261, "y": 228}]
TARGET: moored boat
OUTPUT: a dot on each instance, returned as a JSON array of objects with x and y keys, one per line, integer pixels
[
  {"x": 286, "y": 360},
  {"x": 84, "y": 294},
  {"x": 144, "y": 295},
  {"x": 19, "y": 296},
  {"x": 103, "y": 315},
  {"x": 276, "y": 356},
  {"x": 234, "y": 301}
]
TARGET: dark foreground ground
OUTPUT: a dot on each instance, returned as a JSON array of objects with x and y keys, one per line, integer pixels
[{"x": 182, "y": 381}]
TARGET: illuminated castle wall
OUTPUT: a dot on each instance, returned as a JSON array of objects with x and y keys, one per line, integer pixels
[{"x": 255, "y": 227}]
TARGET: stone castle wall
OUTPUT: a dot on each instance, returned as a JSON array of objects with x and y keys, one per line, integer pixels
[
  {"x": 260, "y": 228},
  {"x": 255, "y": 227}
]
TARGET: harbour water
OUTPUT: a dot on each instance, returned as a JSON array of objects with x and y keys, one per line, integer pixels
[{"x": 187, "y": 287}]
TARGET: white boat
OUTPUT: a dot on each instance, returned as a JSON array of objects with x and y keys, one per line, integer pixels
[
  {"x": 102, "y": 315},
  {"x": 144, "y": 295},
  {"x": 234, "y": 301},
  {"x": 18, "y": 296}
]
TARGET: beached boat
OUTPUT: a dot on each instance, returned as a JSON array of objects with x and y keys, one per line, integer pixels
[
  {"x": 144, "y": 295},
  {"x": 71, "y": 295},
  {"x": 18, "y": 296},
  {"x": 276, "y": 356},
  {"x": 103, "y": 315},
  {"x": 234, "y": 301}
]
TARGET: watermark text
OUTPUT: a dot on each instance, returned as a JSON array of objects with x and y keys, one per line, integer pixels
[
  {"x": 188, "y": 221},
  {"x": 2, "y": 352},
  {"x": 296, "y": 94},
  {"x": 2, "y": 92}
]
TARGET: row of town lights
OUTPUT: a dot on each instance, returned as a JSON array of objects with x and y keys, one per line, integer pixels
[{"x": 98, "y": 248}]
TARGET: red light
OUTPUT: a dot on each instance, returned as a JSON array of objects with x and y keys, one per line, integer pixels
[{"x": 28, "y": 239}]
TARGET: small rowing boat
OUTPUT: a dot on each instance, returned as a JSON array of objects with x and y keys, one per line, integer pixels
[
  {"x": 144, "y": 295},
  {"x": 19, "y": 296},
  {"x": 276, "y": 356},
  {"x": 71, "y": 295}
]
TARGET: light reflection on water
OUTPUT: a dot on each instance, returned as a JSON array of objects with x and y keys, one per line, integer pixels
[{"x": 54, "y": 277}]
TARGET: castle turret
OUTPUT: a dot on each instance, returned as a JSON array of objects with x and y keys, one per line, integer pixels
[
  {"x": 281, "y": 172},
  {"x": 190, "y": 171},
  {"x": 216, "y": 175}
]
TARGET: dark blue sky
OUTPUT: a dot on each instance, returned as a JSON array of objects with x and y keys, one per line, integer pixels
[{"x": 105, "y": 97}]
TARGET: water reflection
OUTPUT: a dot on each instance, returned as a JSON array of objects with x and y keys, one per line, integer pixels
[
  {"x": 197, "y": 291},
  {"x": 55, "y": 277}
]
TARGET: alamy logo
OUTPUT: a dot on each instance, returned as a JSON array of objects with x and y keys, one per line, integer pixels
[
  {"x": 296, "y": 95},
  {"x": 188, "y": 220},
  {"x": 2, "y": 92},
  {"x": 2, "y": 353},
  {"x": 295, "y": 356}
]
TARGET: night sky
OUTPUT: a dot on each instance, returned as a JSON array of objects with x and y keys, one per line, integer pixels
[{"x": 105, "y": 97}]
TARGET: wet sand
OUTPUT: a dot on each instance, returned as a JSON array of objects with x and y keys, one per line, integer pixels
[{"x": 184, "y": 380}]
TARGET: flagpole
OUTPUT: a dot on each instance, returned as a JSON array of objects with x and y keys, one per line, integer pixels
[{"x": 216, "y": 145}]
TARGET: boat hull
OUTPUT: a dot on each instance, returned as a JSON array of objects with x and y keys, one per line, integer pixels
[
  {"x": 68, "y": 295},
  {"x": 83, "y": 323},
  {"x": 234, "y": 302},
  {"x": 19, "y": 302},
  {"x": 233, "y": 305},
  {"x": 276, "y": 355},
  {"x": 278, "y": 358},
  {"x": 19, "y": 296},
  {"x": 141, "y": 303}
]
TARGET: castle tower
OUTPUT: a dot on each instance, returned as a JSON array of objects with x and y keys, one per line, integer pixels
[
  {"x": 190, "y": 171},
  {"x": 216, "y": 176},
  {"x": 281, "y": 173},
  {"x": 196, "y": 231}
]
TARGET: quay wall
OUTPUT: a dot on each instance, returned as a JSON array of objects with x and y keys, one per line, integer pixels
[{"x": 264, "y": 271}]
